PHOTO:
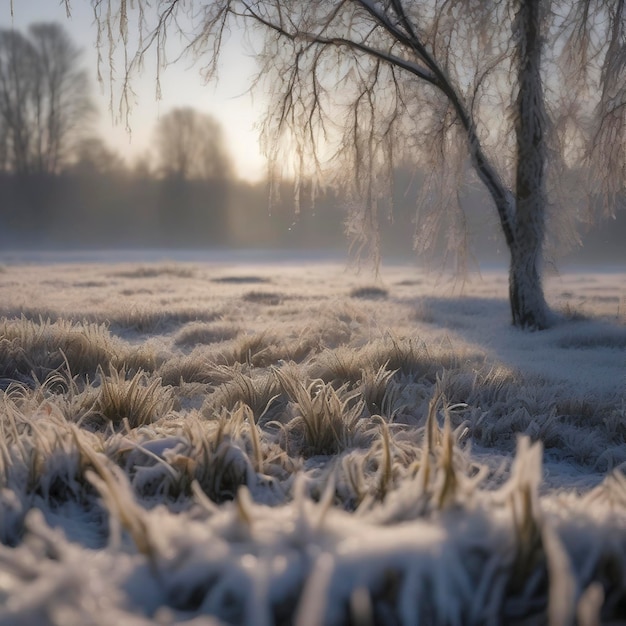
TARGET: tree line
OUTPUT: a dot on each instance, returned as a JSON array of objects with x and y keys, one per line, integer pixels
[
  {"x": 60, "y": 183},
  {"x": 100, "y": 201}
]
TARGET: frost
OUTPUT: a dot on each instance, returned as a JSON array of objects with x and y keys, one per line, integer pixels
[{"x": 343, "y": 459}]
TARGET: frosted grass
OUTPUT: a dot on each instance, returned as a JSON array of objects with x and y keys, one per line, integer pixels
[{"x": 180, "y": 446}]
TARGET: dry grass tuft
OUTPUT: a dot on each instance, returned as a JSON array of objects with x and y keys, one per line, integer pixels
[
  {"x": 413, "y": 358},
  {"x": 267, "y": 298},
  {"x": 136, "y": 401},
  {"x": 221, "y": 454},
  {"x": 196, "y": 367},
  {"x": 150, "y": 320},
  {"x": 241, "y": 280},
  {"x": 369, "y": 293},
  {"x": 266, "y": 348},
  {"x": 174, "y": 271},
  {"x": 344, "y": 365},
  {"x": 379, "y": 391},
  {"x": 260, "y": 393},
  {"x": 253, "y": 349},
  {"x": 326, "y": 421},
  {"x": 31, "y": 351}
]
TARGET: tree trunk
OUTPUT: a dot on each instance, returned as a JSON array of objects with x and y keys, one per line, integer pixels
[
  {"x": 522, "y": 214},
  {"x": 528, "y": 305}
]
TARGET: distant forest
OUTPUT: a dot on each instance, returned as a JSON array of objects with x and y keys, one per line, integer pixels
[{"x": 61, "y": 186}]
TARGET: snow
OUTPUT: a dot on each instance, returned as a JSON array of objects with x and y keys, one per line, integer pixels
[{"x": 491, "y": 488}]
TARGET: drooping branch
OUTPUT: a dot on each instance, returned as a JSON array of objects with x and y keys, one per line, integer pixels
[
  {"x": 425, "y": 68},
  {"x": 484, "y": 169}
]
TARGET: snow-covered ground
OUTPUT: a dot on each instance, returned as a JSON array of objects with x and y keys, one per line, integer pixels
[{"x": 274, "y": 442}]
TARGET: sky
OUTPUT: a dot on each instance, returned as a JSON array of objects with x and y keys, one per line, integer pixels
[{"x": 181, "y": 85}]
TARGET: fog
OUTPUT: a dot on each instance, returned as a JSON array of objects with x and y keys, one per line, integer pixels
[{"x": 124, "y": 210}]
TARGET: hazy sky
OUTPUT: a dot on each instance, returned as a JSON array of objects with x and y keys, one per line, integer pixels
[{"x": 181, "y": 85}]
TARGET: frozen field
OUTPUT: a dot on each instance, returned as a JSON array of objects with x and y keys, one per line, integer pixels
[{"x": 205, "y": 443}]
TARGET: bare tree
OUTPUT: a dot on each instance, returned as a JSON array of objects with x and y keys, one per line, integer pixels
[
  {"x": 196, "y": 170},
  {"x": 44, "y": 99},
  {"x": 93, "y": 157},
  {"x": 190, "y": 145},
  {"x": 525, "y": 89},
  {"x": 17, "y": 79}
]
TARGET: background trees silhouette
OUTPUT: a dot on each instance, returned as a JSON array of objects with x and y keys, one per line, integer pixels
[
  {"x": 190, "y": 146},
  {"x": 44, "y": 99},
  {"x": 45, "y": 104},
  {"x": 196, "y": 172}
]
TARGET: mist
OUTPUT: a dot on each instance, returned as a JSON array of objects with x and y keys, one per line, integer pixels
[{"x": 91, "y": 208}]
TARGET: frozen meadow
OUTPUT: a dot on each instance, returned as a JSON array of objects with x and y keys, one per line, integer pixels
[{"x": 295, "y": 443}]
